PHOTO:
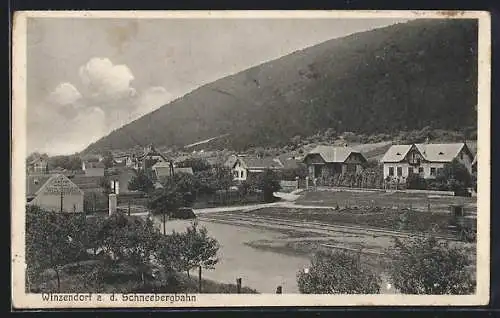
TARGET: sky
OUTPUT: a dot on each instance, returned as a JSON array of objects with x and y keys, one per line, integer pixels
[{"x": 87, "y": 77}]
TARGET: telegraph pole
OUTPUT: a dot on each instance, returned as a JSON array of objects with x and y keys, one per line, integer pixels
[{"x": 62, "y": 196}]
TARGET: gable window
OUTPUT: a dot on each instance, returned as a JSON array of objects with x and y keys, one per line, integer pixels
[
  {"x": 433, "y": 171},
  {"x": 391, "y": 171},
  {"x": 462, "y": 156},
  {"x": 400, "y": 171},
  {"x": 241, "y": 174}
]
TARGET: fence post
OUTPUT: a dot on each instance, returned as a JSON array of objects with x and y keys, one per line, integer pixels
[
  {"x": 238, "y": 285},
  {"x": 199, "y": 279}
]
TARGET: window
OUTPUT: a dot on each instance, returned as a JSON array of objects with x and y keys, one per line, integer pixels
[
  {"x": 241, "y": 174},
  {"x": 400, "y": 171},
  {"x": 410, "y": 171},
  {"x": 391, "y": 171},
  {"x": 462, "y": 156},
  {"x": 433, "y": 171},
  {"x": 420, "y": 170},
  {"x": 439, "y": 171},
  {"x": 235, "y": 174}
]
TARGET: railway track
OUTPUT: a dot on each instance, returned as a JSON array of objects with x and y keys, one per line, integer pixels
[{"x": 308, "y": 226}]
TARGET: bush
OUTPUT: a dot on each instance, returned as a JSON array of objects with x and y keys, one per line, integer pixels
[
  {"x": 416, "y": 182},
  {"x": 428, "y": 266},
  {"x": 337, "y": 273}
]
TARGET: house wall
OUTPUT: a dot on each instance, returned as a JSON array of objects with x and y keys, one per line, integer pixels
[
  {"x": 71, "y": 202},
  {"x": 239, "y": 172},
  {"x": 426, "y": 166},
  {"x": 94, "y": 172}
]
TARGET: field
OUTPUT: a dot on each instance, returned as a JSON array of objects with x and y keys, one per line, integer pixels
[{"x": 396, "y": 200}]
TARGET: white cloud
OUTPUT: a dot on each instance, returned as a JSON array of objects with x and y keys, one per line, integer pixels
[
  {"x": 152, "y": 98},
  {"x": 65, "y": 94},
  {"x": 104, "y": 80}
]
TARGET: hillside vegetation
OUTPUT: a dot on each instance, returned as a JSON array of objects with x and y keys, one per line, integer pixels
[{"x": 399, "y": 78}]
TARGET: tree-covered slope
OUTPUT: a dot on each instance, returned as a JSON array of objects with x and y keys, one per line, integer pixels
[{"x": 402, "y": 77}]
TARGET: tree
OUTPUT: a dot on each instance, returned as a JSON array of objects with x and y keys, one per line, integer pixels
[
  {"x": 268, "y": 183},
  {"x": 197, "y": 164},
  {"x": 141, "y": 182},
  {"x": 130, "y": 240},
  {"x": 455, "y": 174},
  {"x": 50, "y": 241},
  {"x": 108, "y": 159},
  {"x": 166, "y": 200},
  {"x": 337, "y": 273},
  {"x": 428, "y": 266}
]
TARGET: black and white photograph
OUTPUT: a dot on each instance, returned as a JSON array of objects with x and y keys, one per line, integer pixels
[{"x": 250, "y": 158}]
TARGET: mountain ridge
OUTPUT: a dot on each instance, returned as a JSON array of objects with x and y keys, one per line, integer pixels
[{"x": 404, "y": 76}]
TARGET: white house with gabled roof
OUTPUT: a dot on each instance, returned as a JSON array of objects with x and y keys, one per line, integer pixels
[{"x": 425, "y": 159}]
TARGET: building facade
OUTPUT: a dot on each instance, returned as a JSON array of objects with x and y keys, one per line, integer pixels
[
  {"x": 425, "y": 160},
  {"x": 245, "y": 167},
  {"x": 38, "y": 166},
  {"x": 327, "y": 161},
  {"x": 55, "y": 193}
]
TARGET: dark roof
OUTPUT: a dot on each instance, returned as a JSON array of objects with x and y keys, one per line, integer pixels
[
  {"x": 91, "y": 164},
  {"x": 35, "y": 182},
  {"x": 260, "y": 163},
  {"x": 333, "y": 154},
  {"x": 87, "y": 182},
  {"x": 164, "y": 171},
  {"x": 35, "y": 160}
]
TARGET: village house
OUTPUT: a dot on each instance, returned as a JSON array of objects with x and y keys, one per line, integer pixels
[
  {"x": 54, "y": 193},
  {"x": 244, "y": 167},
  {"x": 326, "y": 161},
  {"x": 426, "y": 159},
  {"x": 93, "y": 169},
  {"x": 163, "y": 169},
  {"x": 148, "y": 158},
  {"x": 38, "y": 165}
]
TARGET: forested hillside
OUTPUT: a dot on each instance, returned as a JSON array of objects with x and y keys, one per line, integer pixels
[{"x": 402, "y": 77}]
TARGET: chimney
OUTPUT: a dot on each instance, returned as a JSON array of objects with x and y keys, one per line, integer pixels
[{"x": 427, "y": 139}]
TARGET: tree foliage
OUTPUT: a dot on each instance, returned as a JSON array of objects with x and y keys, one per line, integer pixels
[
  {"x": 428, "y": 266},
  {"x": 141, "y": 182},
  {"x": 337, "y": 273},
  {"x": 268, "y": 183},
  {"x": 51, "y": 241}
]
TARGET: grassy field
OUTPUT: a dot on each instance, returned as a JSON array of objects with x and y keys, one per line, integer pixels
[{"x": 382, "y": 199}]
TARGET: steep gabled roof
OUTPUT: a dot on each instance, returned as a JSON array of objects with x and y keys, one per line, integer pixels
[
  {"x": 35, "y": 182},
  {"x": 440, "y": 152},
  {"x": 331, "y": 154},
  {"x": 50, "y": 180},
  {"x": 444, "y": 152},
  {"x": 396, "y": 153},
  {"x": 259, "y": 163}
]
